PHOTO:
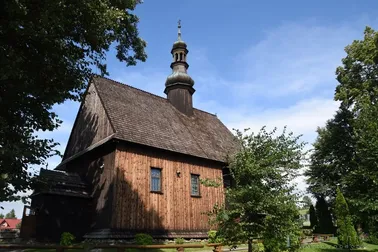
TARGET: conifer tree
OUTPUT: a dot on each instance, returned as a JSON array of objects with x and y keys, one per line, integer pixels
[
  {"x": 11, "y": 215},
  {"x": 325, "y": 224},
  {"x": 346, "y": 233},
  {"x": 313, "y": 218}
]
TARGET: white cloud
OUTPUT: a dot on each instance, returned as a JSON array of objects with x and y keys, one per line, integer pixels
[
  {"x": 301, "y": 118},
  {"x": 295, "y": 58}
]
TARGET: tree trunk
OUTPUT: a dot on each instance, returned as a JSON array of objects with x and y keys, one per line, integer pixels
[{"x": 250, "y": 245}]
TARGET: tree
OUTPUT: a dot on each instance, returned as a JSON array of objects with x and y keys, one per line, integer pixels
[
  {"x": 345, "y": 152},
  {"x": 323, "y": 214},
  {"x": 313, "y": 217},
  {"x": 334, "y": 155},
  {"x": 11, "y": 215},
  {"x": 1, "y": 216},
  {"x": 357, "y": 76},
  {"x": 49, "y": 50},
  {"x": 346, "y": 234},
  {"x": 262, "y": 202},
  {"x": 357, "y": 90},
  {"x": 307, "y": 202}
]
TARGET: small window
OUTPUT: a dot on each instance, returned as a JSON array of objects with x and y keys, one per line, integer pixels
[
  {"x": 155, "y": 180},
  {"x": 195, "y": 187}
]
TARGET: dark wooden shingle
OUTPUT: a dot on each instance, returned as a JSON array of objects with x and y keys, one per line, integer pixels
[{"x": 143, "y": 118}]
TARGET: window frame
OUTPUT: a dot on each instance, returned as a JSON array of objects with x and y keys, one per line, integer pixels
[
  {"x": 198, "y": 185},
  {"x": 160, "y": 180}
]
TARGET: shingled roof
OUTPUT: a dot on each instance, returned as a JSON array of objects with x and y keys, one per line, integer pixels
[{"x": 143, "y": 118}]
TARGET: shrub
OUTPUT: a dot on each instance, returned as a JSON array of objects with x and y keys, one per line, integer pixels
[
  {"x": 372, "y": 238},
  {"x": 259, "y": 247},
  {"x": 306, "y": 232},
  {"x": 67, "y": 239},
  {"x": 212, "y": 234},
  {"x": 179, "y": 240},
  {"x": 214, "y": 237},
  {"x": 143, "y": 239}
]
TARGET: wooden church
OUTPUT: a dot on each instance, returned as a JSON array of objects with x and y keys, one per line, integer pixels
[{"x": 134, "y": 163}]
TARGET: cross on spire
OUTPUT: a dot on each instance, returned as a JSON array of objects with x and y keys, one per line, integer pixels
[{"x": 179, "y": 30}]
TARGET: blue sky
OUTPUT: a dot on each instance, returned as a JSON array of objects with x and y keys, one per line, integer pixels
[{"x": 254, "y": 63}]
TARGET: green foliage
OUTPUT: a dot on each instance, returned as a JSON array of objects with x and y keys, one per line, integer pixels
[
  {"x": 11, "y": 215},
  {"x": 373, "y": 238},
  {"x": 211, "y": 183},
  {"x": 1, "y": 216},
  {"x": 143, "y": 239},
  {"x": 307, "y": 202},
  {"x": 345, "y": 152},
  {"x": 213, "y": 237},
  {"x": 333, "y": 155},
  {"x": 262, "y": 203},
  {"x": 179, "y": 241},
  {"x": 306, "y": 232},
  {"x": 212, "y": 234},
  {"x": 323, "y": 214},
  {"x": 259, "y": 247},
  {"x": 313, "y": 217},
  {"x": 60, "y": 44},
  {"x": 346, "y": 234},
  {"x": 67, "y": 239},
  {"x": 19, "y": 225}
]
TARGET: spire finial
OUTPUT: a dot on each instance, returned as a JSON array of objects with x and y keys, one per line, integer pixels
[{"x": 179, "y": 30}]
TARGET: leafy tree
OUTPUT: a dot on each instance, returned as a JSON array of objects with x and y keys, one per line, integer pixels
[
  {"x": 11, "y": 215},
  {"x": 323, "y": 213},
  {"x": 358, "y": 91},
  {"x": 49, "y": 50},
  {"x": 334, "y": 155},
  {"x": 307, "y": 202},
  {"x": 346, "y": 234},
  {"x": 313, "y": 217},
  {"x": 345, "y": 152},
  {"x": 1, "y": 216},
  {"x": 262, "y": 202},
  {"x": 357, "y": 76}
]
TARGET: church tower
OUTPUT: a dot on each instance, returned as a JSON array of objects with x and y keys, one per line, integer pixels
[{"x": 179, "y": 85}]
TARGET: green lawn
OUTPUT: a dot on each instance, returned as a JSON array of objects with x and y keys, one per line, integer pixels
[
  {"x": 127, "y": 250},
  {"x": 330, "y": 246}
]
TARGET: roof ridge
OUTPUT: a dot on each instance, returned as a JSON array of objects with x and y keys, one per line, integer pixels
[
  {"x": 127, "y": 85},
  {"x": 149, "y": 93}
]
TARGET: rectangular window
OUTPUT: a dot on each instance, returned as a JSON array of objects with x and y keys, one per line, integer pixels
[
  {"x": 155, "y": 180},
  {"x": 195, "y": 185}
]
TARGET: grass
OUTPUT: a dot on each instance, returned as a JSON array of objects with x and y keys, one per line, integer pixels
[
  {"x": 330, "y": 246},
  {"x": 128, "y": 250}
]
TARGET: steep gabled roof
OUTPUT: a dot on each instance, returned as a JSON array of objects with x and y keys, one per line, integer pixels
[{"x": 143, "y": 118}]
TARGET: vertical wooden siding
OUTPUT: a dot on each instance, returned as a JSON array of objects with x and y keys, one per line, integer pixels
[
  {"x": 97, "y": 169},
  {"x": 91, "y": 125},
  {"x": 136, "y": 208}
]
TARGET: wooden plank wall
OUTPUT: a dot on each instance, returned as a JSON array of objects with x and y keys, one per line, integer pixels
[
  {"x": 97, "y": 169},
  {"x": 136, "y": 208},
  {"x": 91, "y": 125}
]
